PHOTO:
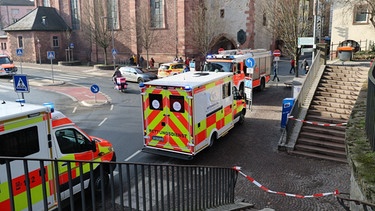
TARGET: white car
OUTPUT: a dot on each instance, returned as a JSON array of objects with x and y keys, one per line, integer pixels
[{"x": 136, "y": 74}]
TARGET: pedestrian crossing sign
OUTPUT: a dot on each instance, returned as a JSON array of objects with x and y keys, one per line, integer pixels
[
  {"x": 51, "y": 54},
  {"x": 20, "y": 83}
]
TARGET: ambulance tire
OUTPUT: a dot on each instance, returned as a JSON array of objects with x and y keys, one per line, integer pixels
[
  {"x": 98, "y": 181},
  {"x": 213, "y": 139}
]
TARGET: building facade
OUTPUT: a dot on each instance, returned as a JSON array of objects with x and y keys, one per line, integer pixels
[{"x": 161, "y": 29}]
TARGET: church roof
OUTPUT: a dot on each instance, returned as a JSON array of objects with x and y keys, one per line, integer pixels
[{"x": 40, "y": 19}]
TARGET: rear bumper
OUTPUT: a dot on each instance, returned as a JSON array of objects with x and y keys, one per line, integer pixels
[{"x": 168, "y": 153}]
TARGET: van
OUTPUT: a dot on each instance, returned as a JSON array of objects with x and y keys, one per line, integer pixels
[{"x": 7, "y": 66}]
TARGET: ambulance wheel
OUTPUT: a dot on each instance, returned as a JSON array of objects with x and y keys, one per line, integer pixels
[
  {"x": 213, "y": 139},
  {"x": 98, "y": 181},
  {"x": 262, "y": 84}
]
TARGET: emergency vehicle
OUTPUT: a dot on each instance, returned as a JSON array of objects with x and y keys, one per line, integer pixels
[
  {"x": 234, "y": 61},
  {"x": 185, "y": 113},
  {"x": 38, "y": 132}
]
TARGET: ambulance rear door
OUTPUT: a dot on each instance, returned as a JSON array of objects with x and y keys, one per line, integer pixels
[{"x": 167, "y": 119}]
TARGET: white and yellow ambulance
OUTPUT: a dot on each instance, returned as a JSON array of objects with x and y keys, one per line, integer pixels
[
  {"x": 37, "y": 132},
  {"x": 185, "y": 113}
]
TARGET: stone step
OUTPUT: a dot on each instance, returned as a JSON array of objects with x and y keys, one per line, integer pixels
[
  {"x": 319, "y": 156},
  {"x": 322, "y": 137},
  {"x": 329, "y": 114},
  {"x": 337, "y": 91},
  {"x": 337, "y": 78},
  {"x": 338, "y": 131},
  {"x": 321, "y": 151},
  {"x": 327, "y": 120},
  {"x": 332, "y": 104},
  {"x": 322, "y": 143},
  {"x": 336, "y": 86},
  {"x": 341, "y": 83},
  {"x": 330, "y": 109},
  {"x": 349, "y": 74},
  {"x": 346, "y": 67},
  {"x": 335, "y": 95},
  {"x": 334, "y": 100}
]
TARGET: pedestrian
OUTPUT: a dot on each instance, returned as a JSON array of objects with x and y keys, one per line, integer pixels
[
  {"x": 141, "y": 61},
  {"x": 152, "y": 62},
  {"x": 135, "y": 59},
  {"x": 275, "y": 74},
  {"x": 186, "y": 69},
  {"x": 187, "y": 61},
  {"x": 180, "y": 60},
  {"x": 292, "y": 66},
  {"x": 305, "y": 66}
]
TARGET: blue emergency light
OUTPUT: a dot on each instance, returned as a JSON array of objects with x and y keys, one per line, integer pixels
[{"x": 50, "y": 105}]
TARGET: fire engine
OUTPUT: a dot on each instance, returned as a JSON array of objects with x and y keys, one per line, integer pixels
[
  {"x": 259, "y": 73},
  {"x": 38, "y": 132},
  {"x": 185, "y": 113}
]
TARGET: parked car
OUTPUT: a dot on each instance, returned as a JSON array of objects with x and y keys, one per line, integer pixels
[
  {"x": 136, "y": 74},
  {"x": 6, "y": 66},
  {"x": 168, "y": 69}
]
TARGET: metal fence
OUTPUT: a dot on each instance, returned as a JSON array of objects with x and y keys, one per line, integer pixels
[
  {"x": 370, "y": 112},
  {"x": 361, "y": 45},
  {"x": 132, "y": 186}
]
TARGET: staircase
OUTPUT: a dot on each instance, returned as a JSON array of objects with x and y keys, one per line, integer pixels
[{"x": 331, "y": 105}]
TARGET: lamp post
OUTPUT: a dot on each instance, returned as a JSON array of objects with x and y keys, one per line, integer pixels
[{"x": 113, "y": 41}]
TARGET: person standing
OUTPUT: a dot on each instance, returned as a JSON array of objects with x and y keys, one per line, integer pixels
[
  {"x": 292, "y": 66},
  {"x": 275, "y": 73},
  {"x": 186, "y": 69},
  {"x": 152, "y": 62},
  {"x": 305, "y": 66}
]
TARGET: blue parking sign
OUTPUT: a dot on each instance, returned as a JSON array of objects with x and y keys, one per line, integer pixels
[{"x": 20, "y": 83}]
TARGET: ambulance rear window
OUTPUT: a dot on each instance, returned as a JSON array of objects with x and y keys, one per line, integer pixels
[
  {"x": 177, "y": 103},
  {"x": 155, "y": 101},
  {"x": 19, "y": 143}
]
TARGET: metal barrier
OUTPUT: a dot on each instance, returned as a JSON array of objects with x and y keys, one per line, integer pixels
[
  {"x": 132, "y": 186},
  {"x": 370, "y": 112}
]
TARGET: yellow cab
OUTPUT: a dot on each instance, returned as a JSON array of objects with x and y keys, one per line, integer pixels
[{"x": 167, "y": 69}]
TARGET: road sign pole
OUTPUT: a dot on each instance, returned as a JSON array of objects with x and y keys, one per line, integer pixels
[{"x": 53, "y": 80}]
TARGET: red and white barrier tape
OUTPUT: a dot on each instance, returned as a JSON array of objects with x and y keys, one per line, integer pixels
[
  {"x": 316, "y": 195},
  {"x": 317, "y": 123}
]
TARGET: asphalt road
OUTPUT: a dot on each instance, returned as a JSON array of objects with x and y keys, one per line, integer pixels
[{"x": 252, "y": 146}]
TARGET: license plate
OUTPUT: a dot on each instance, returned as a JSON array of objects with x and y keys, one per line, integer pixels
[{"x": 157, "y": 138}]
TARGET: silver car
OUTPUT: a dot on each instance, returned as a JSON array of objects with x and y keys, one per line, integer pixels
[{"x": 136, "y": 74}]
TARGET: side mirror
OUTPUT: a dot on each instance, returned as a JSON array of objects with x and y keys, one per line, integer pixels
[{"x": 93, "y": 145}]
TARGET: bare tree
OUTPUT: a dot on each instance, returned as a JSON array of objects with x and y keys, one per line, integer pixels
[
  {"x": 289, "y": 20},
  {"x": 368, "y": 4},
  {"x": 146, "y": 34},
  {"x": 96, "y": 25},
  {"x": 205, "y": 27}
]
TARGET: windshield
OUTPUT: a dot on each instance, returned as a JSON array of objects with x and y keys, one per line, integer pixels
[
  {"x": 4, "y": 60},
  {"x": 218, "y": 67},
  {"x": 139, "y": 71},
  {"x": 164, "y": 67}
]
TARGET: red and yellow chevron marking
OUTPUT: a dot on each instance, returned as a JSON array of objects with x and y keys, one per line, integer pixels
[{"x": 19, "y": 189}]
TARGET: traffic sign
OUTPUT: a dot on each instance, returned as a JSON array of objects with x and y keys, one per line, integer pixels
[
  {"x": 114, "y": 52},
  {"x": 20, "y": 83},
  {"x": 94, "y": 88},
  {"x": 71, "y": 45},
  {"x": 19, "y": 52},
  {"x": 276, "y": 53},
  {"x": 250, "y": 62},
  {"x": 51, "y": 54}
]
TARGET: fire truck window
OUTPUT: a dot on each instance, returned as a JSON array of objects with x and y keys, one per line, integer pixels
[
  {"x": 226, "y": 90},
  {"x": 177, "y": 103},
  {"x": 19, "y": 143},
  {"x": 155, "y": 101}
]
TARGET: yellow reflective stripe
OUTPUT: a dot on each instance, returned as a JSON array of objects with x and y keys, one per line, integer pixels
[{"x": 21, "y": 122}]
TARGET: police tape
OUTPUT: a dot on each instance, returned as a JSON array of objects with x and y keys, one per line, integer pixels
[
  {"x": 317, "y": 123},
  {"x": 316, "y": 195}
]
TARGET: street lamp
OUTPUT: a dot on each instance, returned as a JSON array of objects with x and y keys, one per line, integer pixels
[{"x": 113, "y": 41}]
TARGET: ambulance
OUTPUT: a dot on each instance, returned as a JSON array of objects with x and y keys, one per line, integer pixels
[
  {"x": 185, "y": 113},
  {"x": 31, "y": 132},
  {"x": 256, "y": 70}
]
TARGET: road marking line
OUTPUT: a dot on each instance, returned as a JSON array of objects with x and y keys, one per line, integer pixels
[
  {"x": 105, "y": 119},
  {"x": 111, "y": 107},
  {"x": 74, "y": 110},
  {"x": 133, "y": 155}
]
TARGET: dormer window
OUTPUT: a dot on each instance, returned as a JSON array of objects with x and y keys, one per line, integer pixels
[{"x": 44, "y": 20}]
